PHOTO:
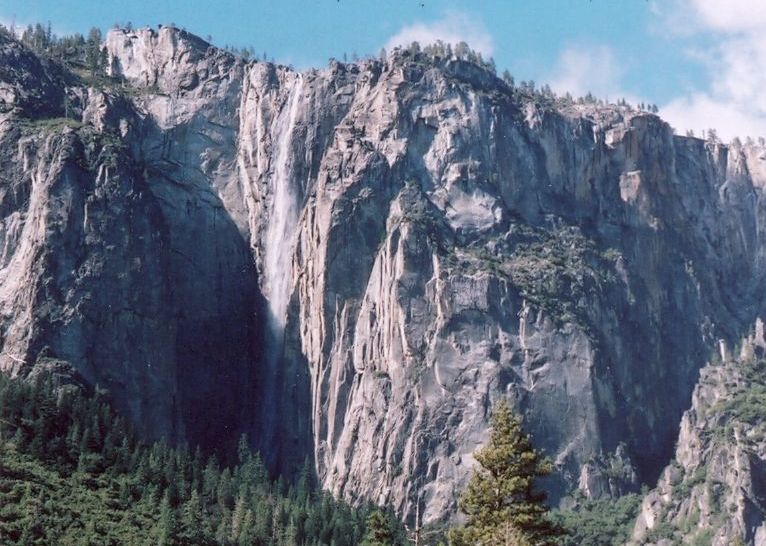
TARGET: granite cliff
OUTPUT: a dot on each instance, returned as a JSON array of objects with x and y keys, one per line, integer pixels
[
  {"x": 352, "y": 264},
  {"x": 713, "y": 491}
]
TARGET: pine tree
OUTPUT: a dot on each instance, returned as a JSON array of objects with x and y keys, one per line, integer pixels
[
  {"x": 501, "y": 503},
  {"x": 193, "y": 529},
  {"x": 379, "y": 531},
  {"x": 155, "y": 494},
  {"x": 290, "y": 536},
  {"x": 224, "y": 528},
  {"x": 246, "y": 535},
  {"x": 93, "y": 52},
  {"x": 238, "y": 517},
  {"x": 167, "y": 525}
]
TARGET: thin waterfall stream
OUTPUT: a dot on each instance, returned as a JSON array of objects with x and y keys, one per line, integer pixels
[
  {"x": 283, "y": 219},
  {"x": 280, "y": 242}
]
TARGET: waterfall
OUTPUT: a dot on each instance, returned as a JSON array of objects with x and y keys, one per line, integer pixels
[
  {"x": 277, "y": 267},
  {"x": 283, "y": 218}
]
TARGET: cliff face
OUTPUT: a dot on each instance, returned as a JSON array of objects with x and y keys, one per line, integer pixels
[
  {"x": 714, "y": 491},
  {"x": 120, "y": 263},
  {"x": 352, "y": 264}
]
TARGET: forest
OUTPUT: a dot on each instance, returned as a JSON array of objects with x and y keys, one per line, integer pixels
[{"x": 73, "y": 472}]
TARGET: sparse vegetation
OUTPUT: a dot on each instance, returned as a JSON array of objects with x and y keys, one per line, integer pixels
[
  {"x": 440, "y": 52},
  {"x": 51, "y": 124},
  {"x": 558, "y": 271},
  {"x": 748, "y": 404},
  {"x": 82, "y": 54},
  {"x": 663, "y": 530}
]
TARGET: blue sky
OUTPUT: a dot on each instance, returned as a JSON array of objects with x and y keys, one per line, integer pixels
[{"x": 701, "y": 61}]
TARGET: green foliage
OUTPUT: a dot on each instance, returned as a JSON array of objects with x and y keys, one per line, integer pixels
[
  {"x": 73, "y": 50},
  {"x": 663, "y": 530},
  {"x": 501, "y": 502},
  {"x": 439, "y": 52},
  {"x": 684, "y": 488},
  {"x": 52, "y": 125},
  {"x": 94, "y": 56},
  {"x": 72, "y": 472},
  {"x": 705, "y": 538},
  {"x": 748, "y": 404},
  {"x": 382, "y": 530},
  {"x": 599, "y": 522},
  {"x": 560, "y": 272},
  {"x": 84, "y": 56}
]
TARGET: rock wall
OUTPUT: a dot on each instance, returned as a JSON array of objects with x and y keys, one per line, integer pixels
[
  {"x": 120, "y": 260},
  {"x": 454, "y": 241}
]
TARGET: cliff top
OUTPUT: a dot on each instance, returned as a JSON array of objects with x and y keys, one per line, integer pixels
[{"x": 169, "y": 59}]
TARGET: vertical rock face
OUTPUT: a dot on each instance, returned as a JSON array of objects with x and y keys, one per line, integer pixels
[
  {"x": 457, "y": 245},
  {"x": 186, "y": 102},
  {"x": 353, "y": 264},
  {"x": 77, "y": 245},
  {"x": 121, "y": 261},
  {"x": 714, "y": 491}
]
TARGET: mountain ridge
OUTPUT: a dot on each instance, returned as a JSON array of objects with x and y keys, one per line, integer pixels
[{"x": 457, "y": 240}]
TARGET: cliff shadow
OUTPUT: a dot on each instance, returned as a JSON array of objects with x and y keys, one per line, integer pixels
[{"x": 214, "y": 287}]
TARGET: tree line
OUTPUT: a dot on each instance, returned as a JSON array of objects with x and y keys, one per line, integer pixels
[
  {"x": 85, "y": 52},
  {"x": 73, "y": 50},
  {"x": 70, "y": 467},
  {"x": 72, "y": 471}
]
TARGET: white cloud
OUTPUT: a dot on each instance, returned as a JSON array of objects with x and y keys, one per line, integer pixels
[
  {"x": 699, "y": 112},
  {"x": 730, "y": 15},
  {"x": 735, "y": 99},
  {"x": 451, "y": 28},
  {"x": 588, "y": 68}
]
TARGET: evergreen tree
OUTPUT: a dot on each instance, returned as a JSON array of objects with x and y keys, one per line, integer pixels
[
  {"x": 379, "y": 532},
  {"x": 103, "y": 60},
  {"x": 75, "y": 473},
  {"x": 501, "y": 503},
  {"x": 290, "y": 536},
  {"x": 193, "y": 529},
  {"x": 167, "y": 528},
  {"x": 491, "y": 65},
  {"x": 247, "y": 530},
  {"x": 238, "y": 519},
  {"x": 93, "y": 56},
  {"x": 224, "y": 529}
]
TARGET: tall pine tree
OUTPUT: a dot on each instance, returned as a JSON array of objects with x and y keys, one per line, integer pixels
[{"x": 502, "y": 505}]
